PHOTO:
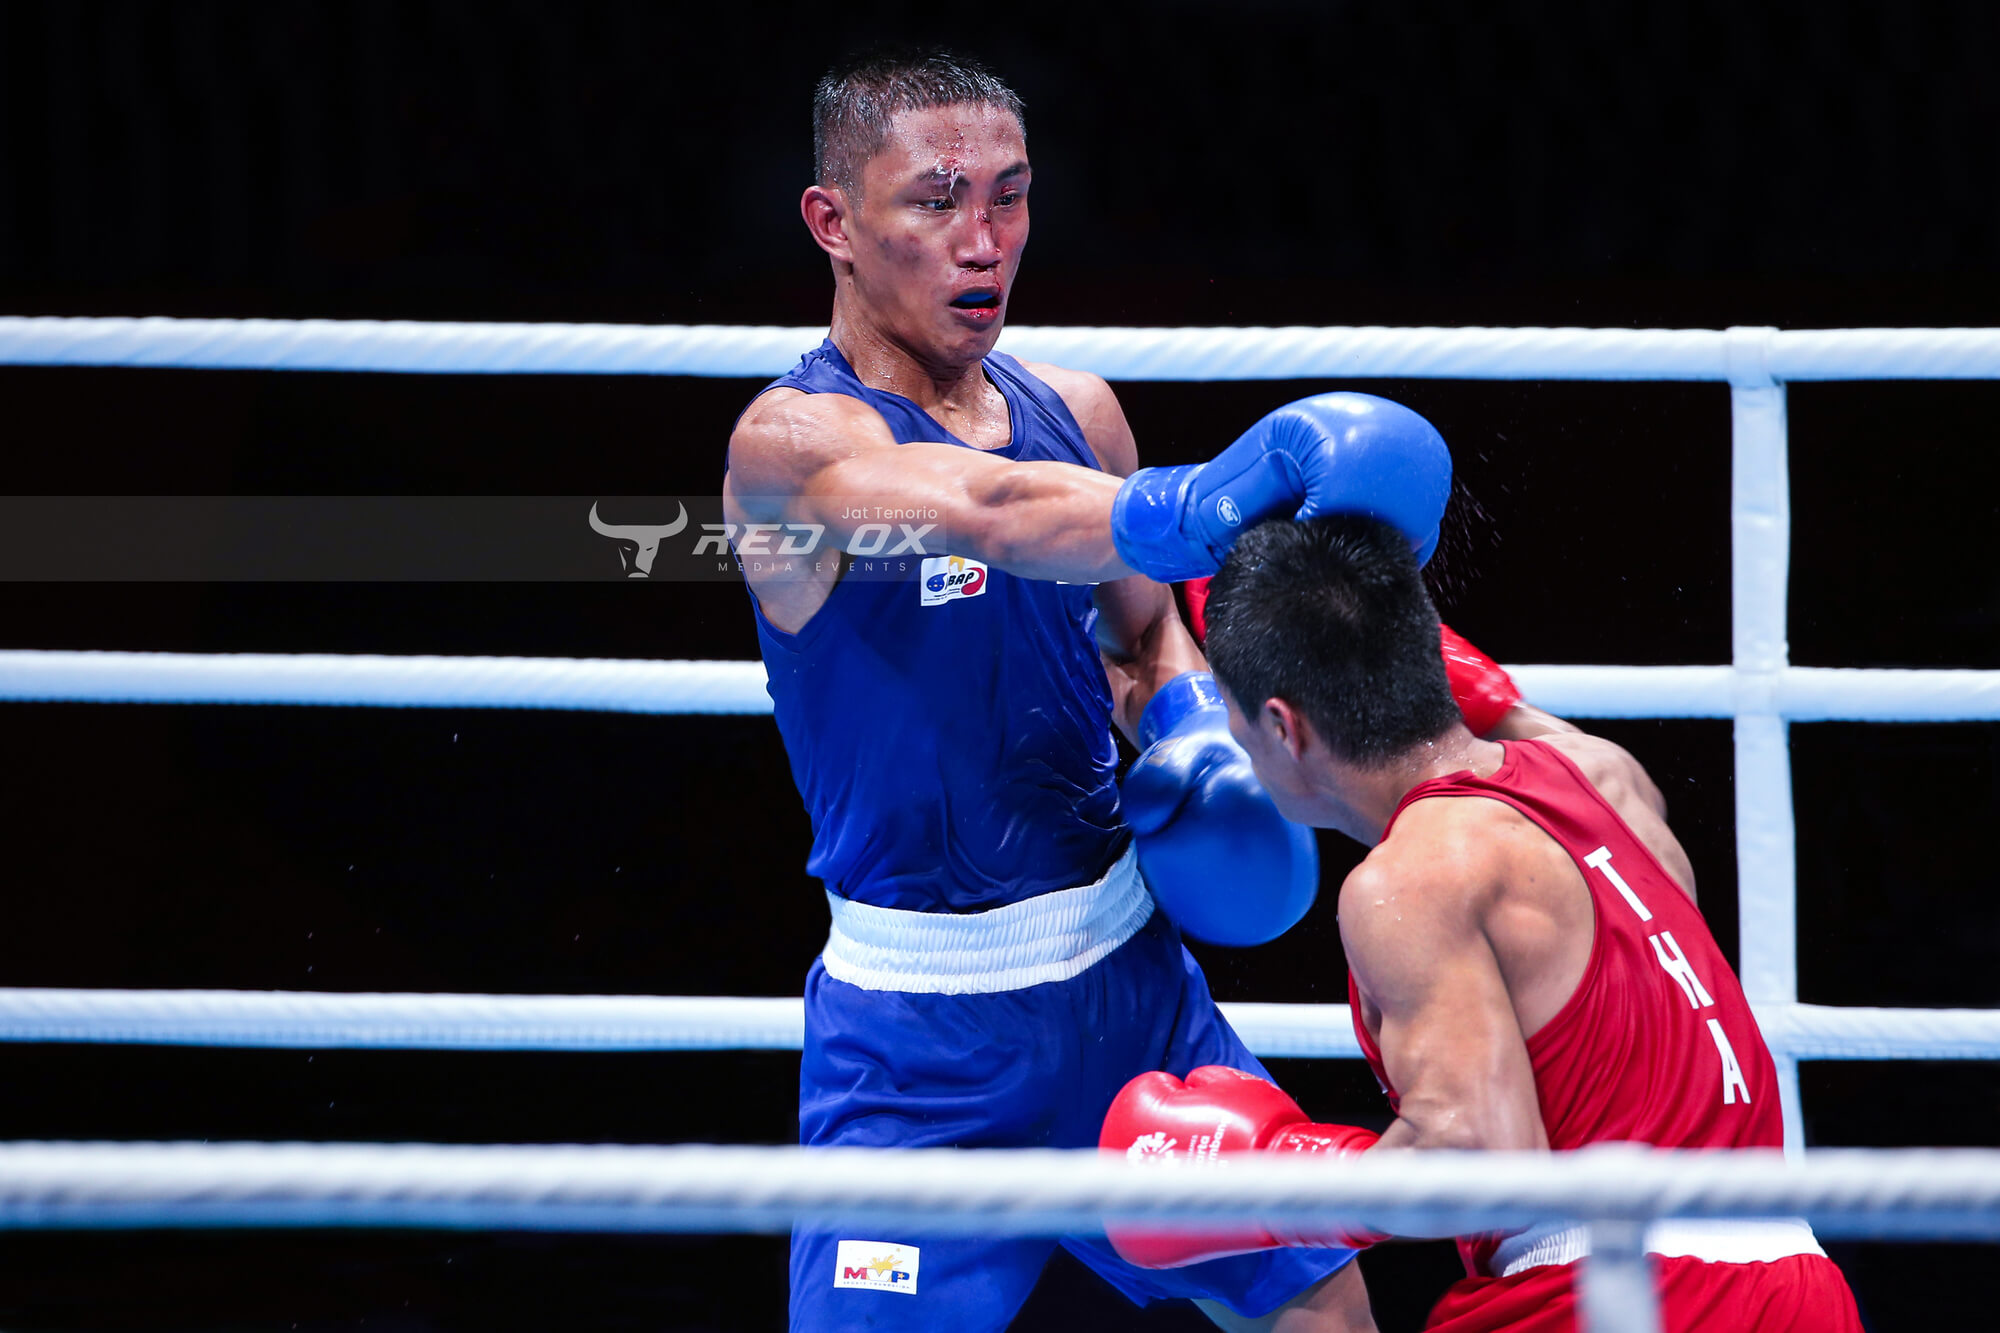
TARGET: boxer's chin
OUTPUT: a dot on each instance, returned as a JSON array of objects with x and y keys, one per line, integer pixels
[
  {"x": 1288, "y": 807},
  {"x": 1292, "y": 804},
  {"x": 969, "y": 340}
]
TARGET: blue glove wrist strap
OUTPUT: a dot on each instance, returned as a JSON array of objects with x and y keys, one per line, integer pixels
[
  {"x": 1174, "y": 523},
  {"x": 1186, "y": 694}
]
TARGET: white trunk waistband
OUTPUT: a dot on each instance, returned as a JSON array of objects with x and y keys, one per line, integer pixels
[
  {"x": 1049, "y": 938},
  {"x": 1719, "y": 1242}
]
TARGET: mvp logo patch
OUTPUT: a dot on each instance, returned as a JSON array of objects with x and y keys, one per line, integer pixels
[{"x": 874, "y": 1265}]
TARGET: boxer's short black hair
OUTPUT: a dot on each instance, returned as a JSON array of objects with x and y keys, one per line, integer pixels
[
  {"x": 854, "y": 103},
  {"x": 1331, "y": 616}
]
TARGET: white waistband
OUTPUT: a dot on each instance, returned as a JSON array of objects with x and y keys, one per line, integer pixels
[
  {"x": 1720, "y": 1242},
  {"x": 1049, "y": 938}
]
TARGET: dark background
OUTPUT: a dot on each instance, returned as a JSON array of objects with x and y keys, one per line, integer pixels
[{"x": 1702, "y": 164}]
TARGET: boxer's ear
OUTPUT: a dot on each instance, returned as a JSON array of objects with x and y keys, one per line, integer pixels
[
  {"x": 825, "y": 210},
  {"x": 1286, "y": 726}
]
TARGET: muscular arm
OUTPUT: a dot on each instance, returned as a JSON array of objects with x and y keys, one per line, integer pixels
[
  {"x": 1143, "y": 644},
  {"x": 1139, "y": 630},
  {"x": 821, "y": 458},
  {"x": 1411, "y": 920}
]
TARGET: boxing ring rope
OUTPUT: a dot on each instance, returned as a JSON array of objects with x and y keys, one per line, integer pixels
[
  {"x": 1760, "y": 690},
  {"x": 1614, "y": 1189},
  {"x": 324, "y": 1020},
  {"x": 1894, "y": 1193},
  {"x": 1740, "y": 355},
  {"x": 1799, "y": 694}
]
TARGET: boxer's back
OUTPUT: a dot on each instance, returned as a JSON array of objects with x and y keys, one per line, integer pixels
[{"x": 1654, "y": 1042}]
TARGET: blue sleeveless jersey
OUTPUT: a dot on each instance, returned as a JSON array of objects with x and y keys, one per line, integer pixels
[{"x": 950, "y": 728}]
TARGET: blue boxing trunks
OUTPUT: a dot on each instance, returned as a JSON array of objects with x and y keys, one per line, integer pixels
[{"x": 1010, "y": 1028}]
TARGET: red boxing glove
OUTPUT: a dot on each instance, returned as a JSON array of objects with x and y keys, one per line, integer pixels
[
  {"x": 1196, "y": 592},
  {"x": 1482, "y": 688},
  {"x": 1218, "y": 1112}
]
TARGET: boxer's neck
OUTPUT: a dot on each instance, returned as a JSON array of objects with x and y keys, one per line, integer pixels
[
  {"x": 882, "y": 360},
  {"x": 1371, "y": 794}
]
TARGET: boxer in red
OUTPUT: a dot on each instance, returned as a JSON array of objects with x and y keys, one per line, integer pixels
[{"x": 1528, "y": 966}]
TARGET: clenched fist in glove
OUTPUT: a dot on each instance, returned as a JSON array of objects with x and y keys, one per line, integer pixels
[{"x": 1216, "y": 1113}]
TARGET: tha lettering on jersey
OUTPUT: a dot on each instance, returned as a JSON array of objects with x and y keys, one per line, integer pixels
[{"x": 1667, "y": 952}]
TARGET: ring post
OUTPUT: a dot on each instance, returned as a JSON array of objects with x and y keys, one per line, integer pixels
[
  {"x": 1760, "y": 523},
  {"x": 1617, "y": 1293}
]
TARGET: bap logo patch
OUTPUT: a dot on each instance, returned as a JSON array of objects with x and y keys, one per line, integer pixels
[
  {"x": 876, "y": 1265},
  {"x": 944, "y": 577}
]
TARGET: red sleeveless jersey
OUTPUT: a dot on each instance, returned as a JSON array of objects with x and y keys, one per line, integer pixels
[{"x": 1657, "y": 1044}]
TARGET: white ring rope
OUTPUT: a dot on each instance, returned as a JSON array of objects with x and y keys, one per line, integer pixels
[
  {"x": 321, "y": 1020},
  {"x": 404, "y": 1022},
  {"x": 1802, "y": 694},
  {"x": 1903, "y": 1193},
  {"x": 384, "y": 682},
  {"x": 404, "y": 346}
]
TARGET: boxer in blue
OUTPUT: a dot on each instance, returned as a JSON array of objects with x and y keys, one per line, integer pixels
[{"x": 960, "y": 591}]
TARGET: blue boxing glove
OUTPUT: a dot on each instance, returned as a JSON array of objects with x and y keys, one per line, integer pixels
[
  {"x": 1219, "y": 858},
  {"x": 1329, "y": 454}
]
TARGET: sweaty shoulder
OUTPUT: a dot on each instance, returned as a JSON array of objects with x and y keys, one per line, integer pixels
[
  {"x": 787, "y": 435},
  {"x": 1095, "y": 407},
  {"x": 1448, "y": 854},
  {"x": 1469, "y": 880},
  {"x": 1418, "y": 906}
]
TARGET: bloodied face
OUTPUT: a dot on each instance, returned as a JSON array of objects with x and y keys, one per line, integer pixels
[{"x": 935, "y": 238}]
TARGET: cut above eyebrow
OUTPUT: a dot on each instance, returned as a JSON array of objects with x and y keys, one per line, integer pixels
[{"x": 931, "y": 174}]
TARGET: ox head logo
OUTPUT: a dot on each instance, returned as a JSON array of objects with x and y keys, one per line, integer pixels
[{"x": 645, "y": 540}]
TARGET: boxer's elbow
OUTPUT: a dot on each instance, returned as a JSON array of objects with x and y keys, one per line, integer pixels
[
  {"x": 1468, "y": 1124},
  {"x": 1440, "y": 1126}
]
